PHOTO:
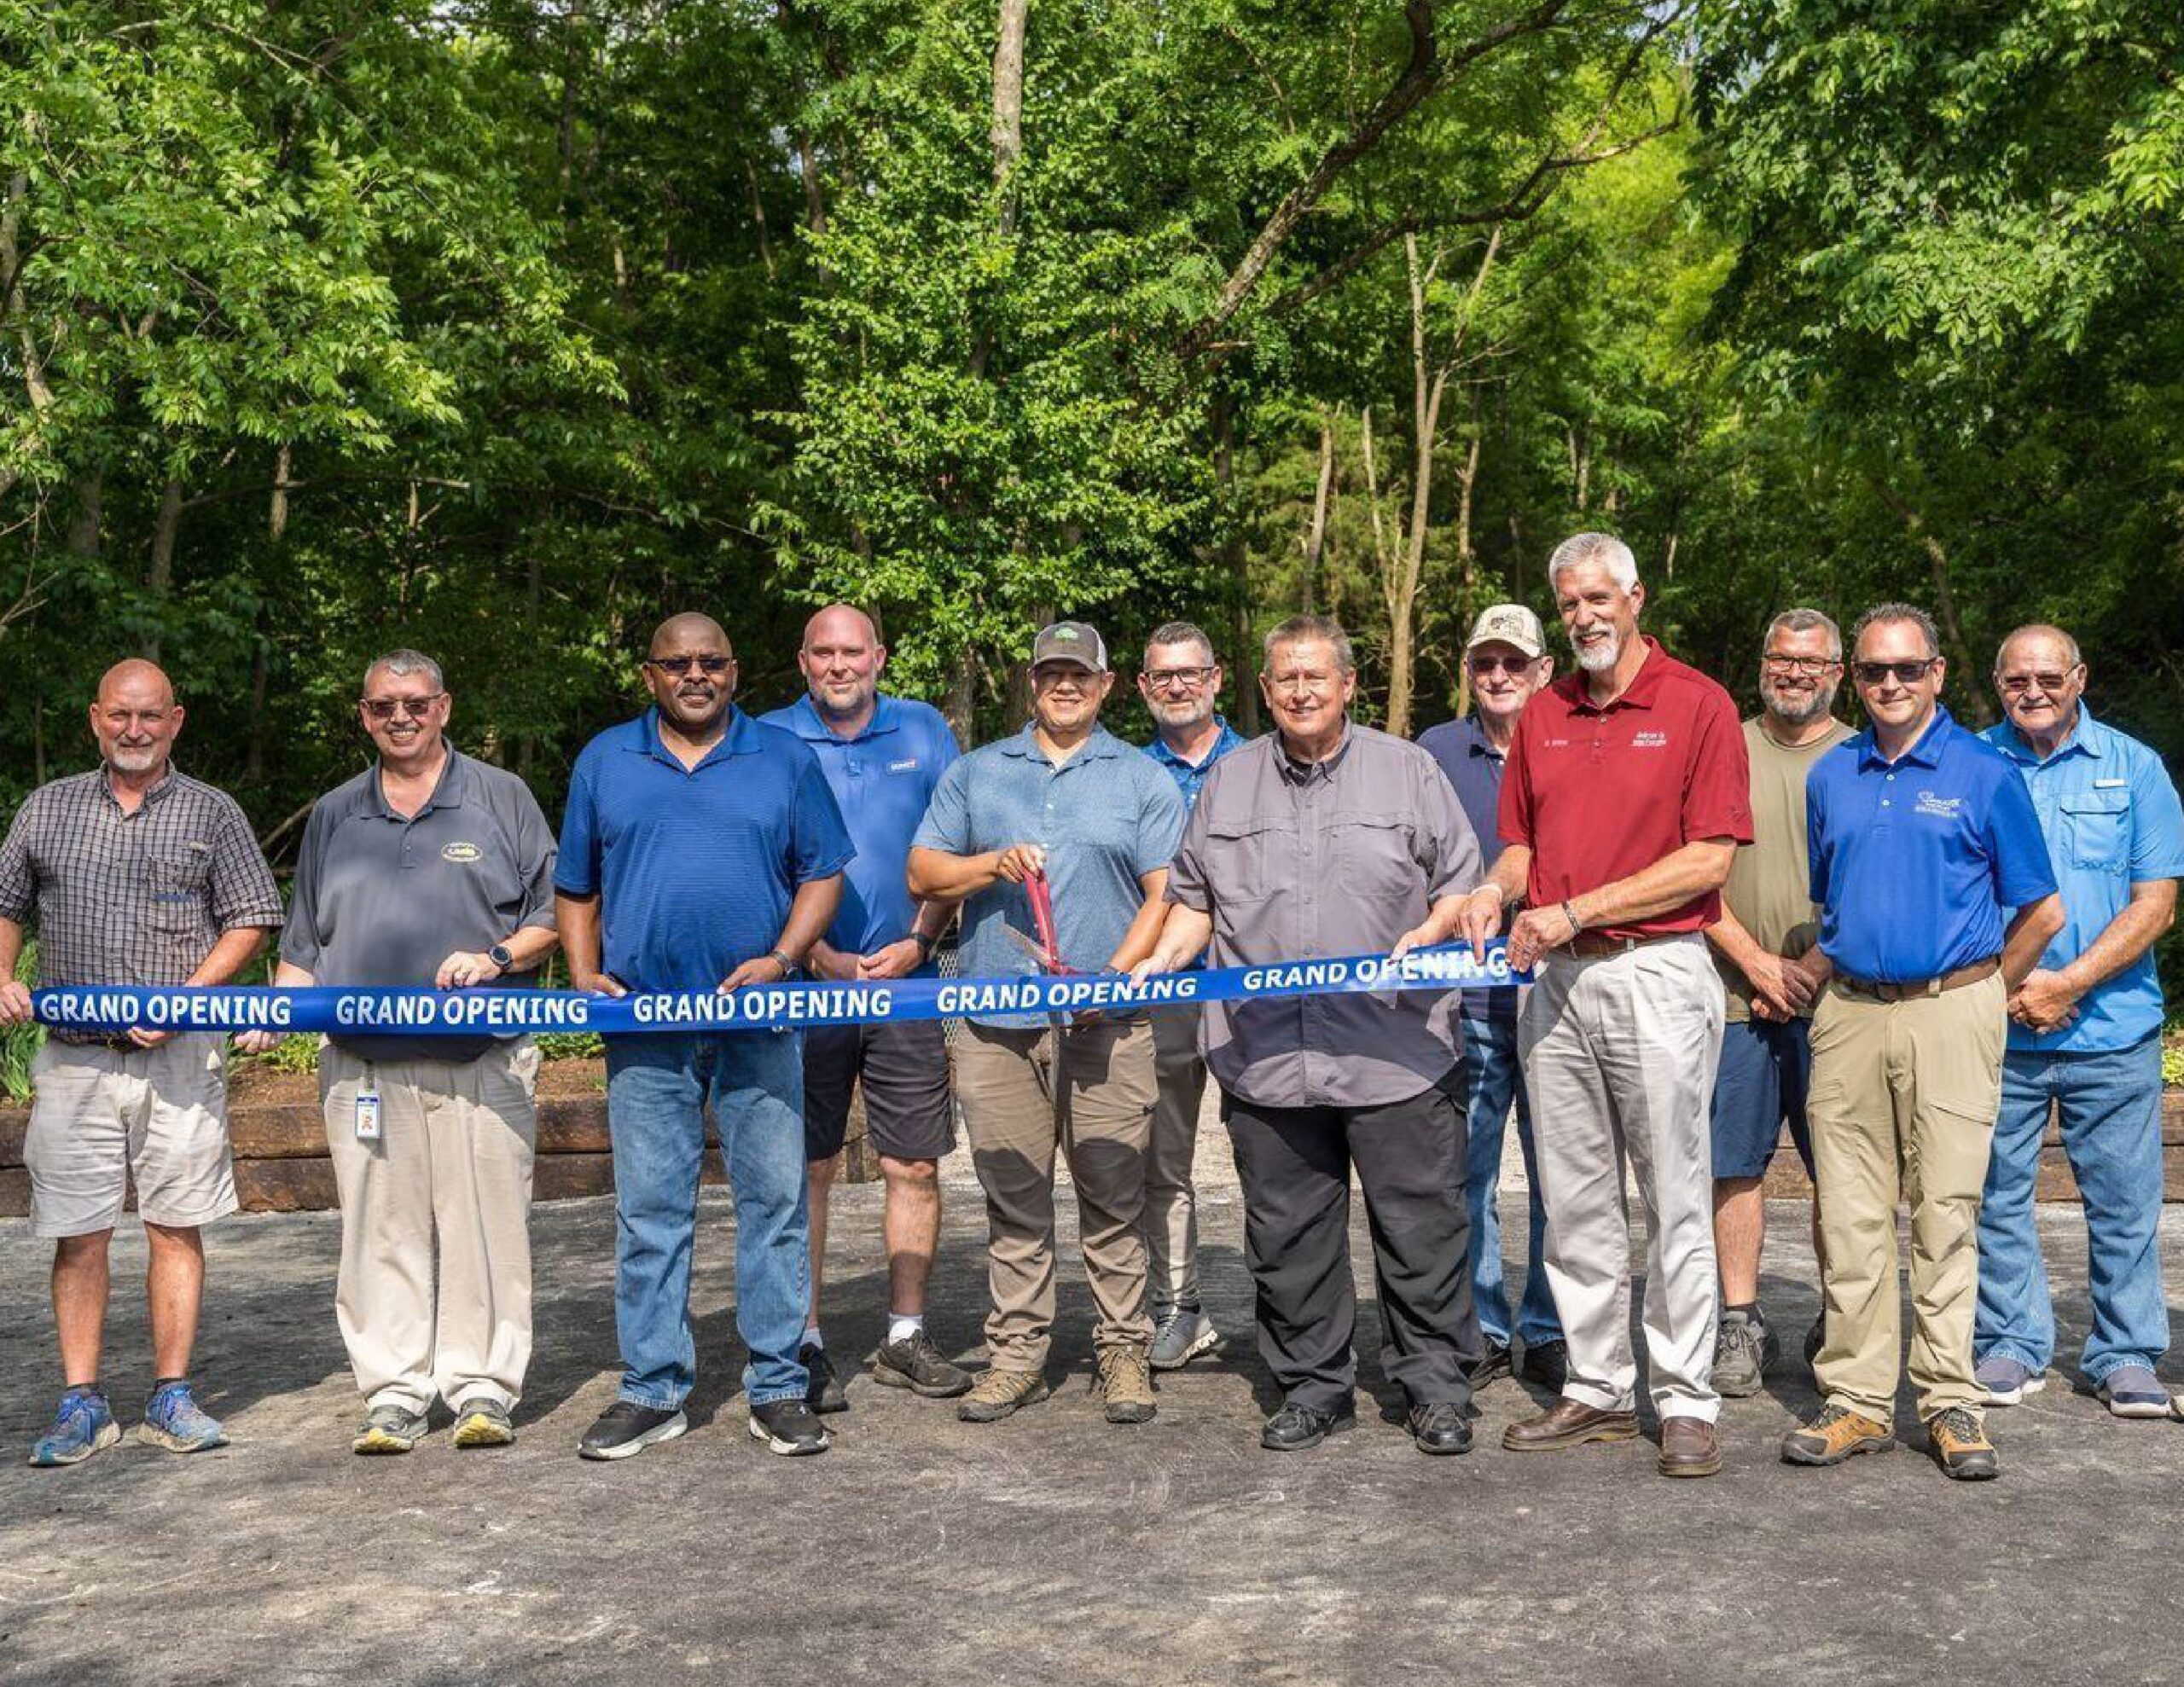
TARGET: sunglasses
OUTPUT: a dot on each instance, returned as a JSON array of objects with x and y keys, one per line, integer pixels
[
  {"x": 1517, "y": 666},
  {"x": 2016, "y": 684},
  {"x": 1905, "y": 672},
  {"x": 387, "y": 708},
  {"x": 676, "y": 666}
]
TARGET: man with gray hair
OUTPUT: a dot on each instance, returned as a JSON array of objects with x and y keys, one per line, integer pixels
[
  {"x": 1627, "y": 796},
  {"x": 1180, "y": 682},
  {"x": 1768, "y": 922},
  {"x": 427, "y": 868}
]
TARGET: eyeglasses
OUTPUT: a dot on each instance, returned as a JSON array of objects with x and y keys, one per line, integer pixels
[
  {"x": 1178, "y": 679},
  {"x": 676, "y": 666},
  {"x": 1515, "y": 666},
  {"x": 1812, "y": 665},
  {"x": 2016, "y": 684},
  {"x": 1907, "y": 673},
  {"x": 387, "y": 708}
]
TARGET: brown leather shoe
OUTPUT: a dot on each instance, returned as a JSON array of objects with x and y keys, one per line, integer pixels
[
  {"x": 1568, "y": 1422},
  {"x": 1689, "y": 1447}
]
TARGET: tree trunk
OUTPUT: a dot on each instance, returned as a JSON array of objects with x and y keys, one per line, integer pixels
[
  {"x": 159, "y": 576},
  {"x": 1466, "y": 557},
  {"x": 961, "y": 704},
  {"x": 1235, "y": 561},
  {"x": 87, "y": 518},
  {"x": 1315, "y": 535},
  {"x": 1978, "y": 704}
]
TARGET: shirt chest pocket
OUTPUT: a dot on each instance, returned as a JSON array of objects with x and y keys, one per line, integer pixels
[
  {"x": 176, "y": 884},
  {"x": 1250, "y": 859},
  {"x": 2097, "y": 830},
  {"x": 1371, "y": 855}
]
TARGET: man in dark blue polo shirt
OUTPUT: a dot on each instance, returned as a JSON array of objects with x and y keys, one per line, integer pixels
[
  {"x": 1922, "y": 843},
  {"x": 882, "y": 756},
  {"x": 1506, "y": 660},
  {"x": 701, "y": 851}
]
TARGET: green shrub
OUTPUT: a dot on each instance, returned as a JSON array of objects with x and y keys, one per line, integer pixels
[{"x": 19, "y": 1044}]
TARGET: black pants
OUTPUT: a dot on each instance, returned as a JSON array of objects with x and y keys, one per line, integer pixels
[{"x": 1294, "y": 1163}]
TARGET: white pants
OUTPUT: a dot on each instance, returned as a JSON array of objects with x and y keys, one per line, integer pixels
[{"x": 1619, "y": 1054}]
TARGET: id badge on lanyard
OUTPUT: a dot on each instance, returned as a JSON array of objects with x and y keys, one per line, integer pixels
[{"x": 367, "y": 1129}]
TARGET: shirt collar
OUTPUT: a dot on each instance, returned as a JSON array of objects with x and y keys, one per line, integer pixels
[
  {"x": 1224, "y": 741},
  {"x": 2090, "y": 739},
  {"x": 1638, "y": 694},
  {"x": 449, "y": 791},
  {"x": 1302, "y": 772},
  {"x": 742, "y": 738},
  {"x": 157, "y": 793},
  {"x": 809, "y": 725},
  {"x": 1475, "y": 740},
  {"x": 1101, "y": 745},
  {"x": 1926, "y": 752}
]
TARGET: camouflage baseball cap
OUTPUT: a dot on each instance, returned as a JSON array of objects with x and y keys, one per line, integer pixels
[
  {"x": 1070, "y": 641},
  {"x": 1509, "y": 623}
]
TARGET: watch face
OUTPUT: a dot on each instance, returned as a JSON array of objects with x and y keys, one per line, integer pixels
[{"x": 500, "y": 957}]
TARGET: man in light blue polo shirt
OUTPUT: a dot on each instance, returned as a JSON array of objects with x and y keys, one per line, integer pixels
[
  {"x": 1066, "y": 811},
  {"x": 1180, "y": 683},
  {"x": 882, "y": 756},
  {"x": 701, "y": 851},
  {"x": 2085, "y": 1035}
]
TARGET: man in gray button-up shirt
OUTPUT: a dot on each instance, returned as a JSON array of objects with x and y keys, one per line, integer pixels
[{"x": 1327, "y": 838}]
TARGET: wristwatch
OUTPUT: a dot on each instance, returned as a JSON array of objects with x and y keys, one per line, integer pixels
[
  {"x": 499, "y": 955},
  {"x": 924, "y": 944},
  {"x": 788, "y": 966}
]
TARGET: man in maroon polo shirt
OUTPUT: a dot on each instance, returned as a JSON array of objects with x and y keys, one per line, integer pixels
[{"x": 1626, "y": 796}]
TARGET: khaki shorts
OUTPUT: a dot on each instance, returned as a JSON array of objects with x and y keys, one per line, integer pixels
[{"x": 102, "y": 1116}]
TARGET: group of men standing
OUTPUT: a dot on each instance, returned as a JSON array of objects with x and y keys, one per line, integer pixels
[{"x": 1904, "y": 944}]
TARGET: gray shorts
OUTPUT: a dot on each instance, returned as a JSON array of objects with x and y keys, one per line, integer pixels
[{"x": 102, "y": 1116}]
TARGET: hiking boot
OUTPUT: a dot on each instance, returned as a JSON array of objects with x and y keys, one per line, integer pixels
[
  {"x": 1125, "y": 1383},
  {"x": 1439, "y": 1428},
  {"x": 823, "y": 1391},
  {"x": 1957, "y": 1440},
  {"x": 83, "y": 1426},
  {"x": 2134, "y": 1391},
  {"x": 917, "y": 1363},
  {"x": 173, "y": 1420},
  {"x": 388, "y": 1429},
  {"x": 1183, "y": 1334},
  {"x": 1491, "y": 1365},
  {"x": 997, "y": 1392},
  {"x": 1548, "y": 1364},
  {"x": 484, "y": 1422},
  {"x": 2005, "y": 1380},
  {"x": 1295, "y": 1427},
  {"x": 1568, "y": 1422},
  {"x": 1743, "y": 1347},
  {"x": 1834, "y": 1434},
  {"x": 625, "y": 1428},
  {"x": 790, "y": 1428}
]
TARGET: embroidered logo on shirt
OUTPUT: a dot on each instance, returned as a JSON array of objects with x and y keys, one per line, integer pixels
[
  {"x": 1649, "y": 741},
  {"x": 460, "y": 852},
  {"x": 1944, "y": 807},
  {"x": 908, "y": 764}
]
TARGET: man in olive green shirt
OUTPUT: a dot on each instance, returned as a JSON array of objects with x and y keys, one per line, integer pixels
[{"x": 1767, "y": 923}]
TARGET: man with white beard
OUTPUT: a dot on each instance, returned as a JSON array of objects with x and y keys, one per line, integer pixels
[{"x": 1767, "y": 923}]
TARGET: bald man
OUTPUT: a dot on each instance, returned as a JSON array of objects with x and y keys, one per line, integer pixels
[
  {"x": 137, "y": 875},
  {"x": 882, "y": 756},
  {"x": 702, "y": 851}
]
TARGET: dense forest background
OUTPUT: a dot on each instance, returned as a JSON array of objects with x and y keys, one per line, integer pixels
[{"x": 502, "y": 327}]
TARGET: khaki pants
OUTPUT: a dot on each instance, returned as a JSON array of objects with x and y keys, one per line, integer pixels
[
  {"x": 101, "y": 1115},
  {"x": 1171, "y": 1202},
  {"x": 1903, "y": 1107},
  {"x": 434, "y": 1294},
  {"x": 1089, "y": 1091}
]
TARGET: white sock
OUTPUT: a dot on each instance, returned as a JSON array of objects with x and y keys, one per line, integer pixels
[
  {"x": 901, "y": 1326},
  {"x": 812, "y": 1338}
]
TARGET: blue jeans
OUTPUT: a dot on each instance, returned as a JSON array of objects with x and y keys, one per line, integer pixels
[
  {"x": 2110, "y": 1108},
  {"x": 657, "y": 1088},
  {"x": 1495, "y": 1079}
]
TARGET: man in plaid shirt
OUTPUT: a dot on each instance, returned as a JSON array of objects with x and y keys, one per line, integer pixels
[{"x": 137, "y": 875}]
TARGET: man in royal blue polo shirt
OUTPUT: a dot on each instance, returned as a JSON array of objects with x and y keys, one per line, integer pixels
[
  {"x": 1181, "y": 683},
  {"x": 882, "y": 756},
  {"x": 2085, "y": 1037},
  {"x": 701, "y": 851},
  {"x": 1922, "y": 841}
]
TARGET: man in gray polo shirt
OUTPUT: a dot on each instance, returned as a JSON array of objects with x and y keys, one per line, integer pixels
[
  {"x": 1063, "y": 810},
  {"x": 1327, "y": 838},
  {"x": 427, "y": 868}
]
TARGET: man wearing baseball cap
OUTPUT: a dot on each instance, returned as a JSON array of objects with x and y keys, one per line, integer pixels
[
  {"x": 1506, "y": 661},
  {"x": 1064, "y": 827}
]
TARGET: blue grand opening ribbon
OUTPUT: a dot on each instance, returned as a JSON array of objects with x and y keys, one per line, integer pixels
[{"x": 504, "y": 1012}]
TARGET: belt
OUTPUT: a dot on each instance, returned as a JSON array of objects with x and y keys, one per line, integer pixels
[
  {"x": 118, "y": 1045},
  {"x": 1592, "y": 945},
  {"x": 1927, "y": 987}
]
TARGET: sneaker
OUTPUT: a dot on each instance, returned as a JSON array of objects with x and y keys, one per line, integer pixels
[
  {"x": 1295, "y": 1427},
  {"x": 627, "y": 1428},
  {"x": 2134, "y": 1391},
  {"x": 2007, "y": 1381},
  {"x": 997, "y": 1392},
  {"x": 83, "y": 1426},
  {"x": 1958, "y": 1442},
  {"x": 824, "y": 1391},
  {"x": 1125, "y": 1383},
  {"x": 1833, "y": 1435},
  {"x": 917, "y": 1363},
  {"x": 484, "y": 1422},
  {"x": 1441, "y": 1427},
  {"x": 1548, "y": 1364},
  {"x": 1183, "y": 1334},
  {"x": 173, "y": 1420},
  {"x": 788, "y": 1427},
  {"x": 388, "y": 1429},
  {"x": 1743, "y": 1347},
  {"x": 1491, "y": 1365}
]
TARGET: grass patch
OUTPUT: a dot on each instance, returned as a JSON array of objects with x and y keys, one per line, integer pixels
[{"x": 19, "y": 1044}]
